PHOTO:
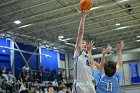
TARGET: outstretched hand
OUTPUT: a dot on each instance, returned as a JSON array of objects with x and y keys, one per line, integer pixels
[
  {"x": 120, "y": 46},
  {"x": 90, "y": 46},
  {"x": 83, "y": 13},
  {"x": 105, "y": 50}
]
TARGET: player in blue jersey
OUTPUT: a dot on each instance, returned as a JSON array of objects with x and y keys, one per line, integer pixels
[{"x": 109, "y": 80}]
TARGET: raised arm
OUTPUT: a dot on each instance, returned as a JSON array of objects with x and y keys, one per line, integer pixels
[
  {"x": 101, "y": 65},
  {"x": 120, "y": 46},
  {"x": 104, "y": 52},
  {"x": 90, "y": 57},
  {"x": 79, "y": 40}
]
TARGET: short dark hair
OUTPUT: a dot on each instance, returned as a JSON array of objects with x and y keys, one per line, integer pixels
[
  {"x": 110, "y": 68},
  {"x": 61, "y": 87}
]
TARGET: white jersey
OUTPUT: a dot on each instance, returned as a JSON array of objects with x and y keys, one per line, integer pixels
[
  {"x": 83, "y": 74},
  {"x": 82, "y": 70}
]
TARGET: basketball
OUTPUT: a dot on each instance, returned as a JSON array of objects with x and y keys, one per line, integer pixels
[{"x": 86, "y": 4}]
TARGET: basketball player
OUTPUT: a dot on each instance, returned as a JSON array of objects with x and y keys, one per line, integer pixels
[
  {"x": 109, "y": 81},
  {"x": 83, "y": 74}
]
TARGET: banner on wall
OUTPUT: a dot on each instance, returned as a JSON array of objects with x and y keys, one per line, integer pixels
[
  {"x": 135, "y": 72},
  {"x": 62, "y": 57}
]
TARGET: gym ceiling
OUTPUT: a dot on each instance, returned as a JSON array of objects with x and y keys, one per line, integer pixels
[{"x": 54, "y": 23}]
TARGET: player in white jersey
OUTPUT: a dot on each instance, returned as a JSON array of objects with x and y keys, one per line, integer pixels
[{"x": 83, "y": 74}]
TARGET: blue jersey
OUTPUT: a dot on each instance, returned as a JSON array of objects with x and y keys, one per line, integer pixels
[{"x": 105, "y": 84}]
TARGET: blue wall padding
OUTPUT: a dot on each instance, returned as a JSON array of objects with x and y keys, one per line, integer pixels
[
  {"x": 19, "y": 62},
  {"x": 52, "y": 62},
  {"x": 5, "y": 56}
]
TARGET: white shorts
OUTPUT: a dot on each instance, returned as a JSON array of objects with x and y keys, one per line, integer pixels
[{"x": 80, "y": 87}]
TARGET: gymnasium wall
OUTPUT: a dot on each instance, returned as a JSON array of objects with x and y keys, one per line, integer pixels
[
  {"x": 63, "y": 64},
  {"x": 71, "y": 62},
  {"x": 18, "y": 60},
  {"x": 130, "y": 89},
  {"x": 49, "y": 62},
  {"x": 56, "y": 61},
  {"x": 128, "y": 57}
]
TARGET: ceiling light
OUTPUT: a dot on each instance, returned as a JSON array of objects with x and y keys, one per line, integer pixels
[
  {"x": 17, "y": 22},
  {"x": 69, "y": 44},
  {"x": 47, "y": 46},
  {"x": 95, "y": 8},
  {"x": 68, "y": 39},
  {"x": 123, "y": 0},
  {"x": 55, "y": 48},
  {"x": 25, "y": 26},
  {"x": 138, "y": 40},
  {"x": 60, "y": 37},
  {"x": 94, "y": 48},
  {"x": 118, "y": 24},
  {"x": 122, "y": 27},
  {"x": 138, "y": 36}
]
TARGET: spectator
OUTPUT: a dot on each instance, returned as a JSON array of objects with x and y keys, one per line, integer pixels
[
  {"x": 64, "y": 81},
  {"x": 4, "y": 70},
  {"x": 23, "y": 75},
  {"x": 48, "y": 74},
  {"x": 63, "y": 89},
  {"x": 40, "y": 73},
  {"x": 55, "y": 83},
  {"x": 26, "y": 69},
  {"x": 49, "y": 89},
  {"x": 60, "y": 76},
  {"x": 1, "y": 77}
]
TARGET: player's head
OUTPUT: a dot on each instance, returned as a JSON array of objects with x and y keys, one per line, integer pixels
[
  {"x": 84, "y": 44},
  {"x": 110, "y": 68}
]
